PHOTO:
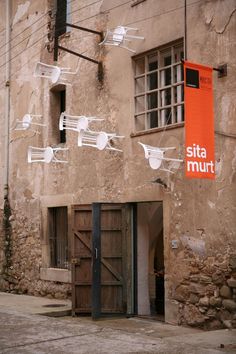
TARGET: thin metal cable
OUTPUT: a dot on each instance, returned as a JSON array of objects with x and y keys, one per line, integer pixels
[
  {"x": 163, "y": 13},
  {"x": 30, "y": 26}
]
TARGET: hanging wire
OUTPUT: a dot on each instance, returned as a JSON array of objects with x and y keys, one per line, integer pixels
[
  {"x": 26, "y": 38},
  {"x": 147, "y": 18},
  {"x": 30, "y": 26},
  {"x": 47, "y": 13},
  {"x": 163, "y": 13},
  {"x": 172, "y": 10},
  {"x": 44, "y": 34}
]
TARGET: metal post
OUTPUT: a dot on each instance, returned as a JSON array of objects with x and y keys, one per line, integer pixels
[
  {"x": 7, "y": 101},
  {"x": 185, "y": 29},
  {"x": 96, "y": 256}
]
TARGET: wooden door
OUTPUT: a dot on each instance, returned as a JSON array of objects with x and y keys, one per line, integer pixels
[
  {"x": 81, "y": 261},
  {"x": 99, "y": 253},
  {"x": 113, "y": 259}
]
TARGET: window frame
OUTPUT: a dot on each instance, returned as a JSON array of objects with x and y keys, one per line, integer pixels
[
  {"x": 175, "y": 87},
  {"x": 58, "y": 96},
  {"x": 46, "y": 271},
  {"x": 62, "y": 99},
  {"x": 55, "y": 247}
]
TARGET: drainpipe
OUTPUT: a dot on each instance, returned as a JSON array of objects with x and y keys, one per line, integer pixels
[
  {"x": 7, "y": 102},
  {"x": 7, "y": 209},
  {"x": 185, "y": 29}
]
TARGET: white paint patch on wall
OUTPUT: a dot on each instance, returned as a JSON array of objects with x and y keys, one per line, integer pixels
[
  {"x": 211, "y": 205},
  {"x": 21, "y": 11},
  {"x": 197, "y": 246}
]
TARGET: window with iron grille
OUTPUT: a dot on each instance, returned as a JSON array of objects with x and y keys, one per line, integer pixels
[
  {"x": 159, "y": 89},
  {"x": 58, "y": 237}
]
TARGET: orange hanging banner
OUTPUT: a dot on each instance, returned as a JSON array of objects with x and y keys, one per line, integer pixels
[{"x": 199, "y": 121}]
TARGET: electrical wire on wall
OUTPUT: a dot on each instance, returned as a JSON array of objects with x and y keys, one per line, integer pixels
[
  {"x": 85, "y": 19},
  {"x": 185, "y": 29},
  {"x": 42, "y": 26}
]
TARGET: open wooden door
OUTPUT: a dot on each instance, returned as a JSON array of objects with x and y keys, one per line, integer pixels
[
  {"x": 100, "y": 259},
  {"x": 81, "y": 259}
]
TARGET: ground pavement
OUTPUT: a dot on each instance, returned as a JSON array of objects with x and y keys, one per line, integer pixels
[{"x": 27, "y": 326}]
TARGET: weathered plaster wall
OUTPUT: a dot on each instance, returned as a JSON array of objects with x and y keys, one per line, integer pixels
[
  {"x": 28, "y": 38},
  {"x": 4, "y": 89},
  {"x": 200, "y": 273},
  {"x": 2, "y": 100},
  {"x": 2, "y": 93},
  {"x": 203, "y": 214}
]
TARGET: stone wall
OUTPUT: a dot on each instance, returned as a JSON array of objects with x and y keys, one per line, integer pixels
[
  {"x": 23, "y": 274},
  {"x": 207, "y": 296},
  {"x": 2, "y": 253}
]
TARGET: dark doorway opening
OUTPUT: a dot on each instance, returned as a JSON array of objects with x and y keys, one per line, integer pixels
[
  {"x": 150, "y": 260},
  {"x": 159, "y": 272}
]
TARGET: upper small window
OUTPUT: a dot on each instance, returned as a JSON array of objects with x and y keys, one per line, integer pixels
[
  {"x": 61, "y": 17},
  {"x": 57, "y": 106},
  {"x": 159, "y": 95}
]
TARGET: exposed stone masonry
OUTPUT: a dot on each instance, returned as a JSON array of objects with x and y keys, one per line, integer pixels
[
  {"x": 207, "y": 297},
  {"x": 23, "y": 275}
]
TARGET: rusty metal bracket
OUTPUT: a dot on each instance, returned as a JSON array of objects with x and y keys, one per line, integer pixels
[
  {"x": 222, "y": 70},
  {"x": 100, "y": 74},
  {"x": 77, "y": 54},
  {"x": 85, "y": 29},
  {"x": 99, "y": 63}
]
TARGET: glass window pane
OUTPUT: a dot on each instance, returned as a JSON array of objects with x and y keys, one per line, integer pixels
[
  {"x": 178, "y": 114},
  {"x": 179, "y": 53},
  {"x": 180, "y": 117},
  {"x": 168, "y": 76},
  {"x": 140, "y": 66},
  {"x": 139, "y": 104},
  {"x": 140, "y": 122},
  {"x": 152, "y": 119},
  {"x": 165, "y": 77},
  {"x": 152, "y": 100},
  {"x": 178, "y": 94},
  {"x": 152, "y": 62},
  {"x": 166, "y": 118},
  {"x": 174, "y": 115},
  {"x": 167, "y": 60},
  {"x": 152, "y": 81},
  {"x": 58, "y": 239},
  {"x": 165, "y": 97},
  {"x": 166, "y": 57},
  {"x": 178, "y": 73},
  {"x": 140, "y": 85}
]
